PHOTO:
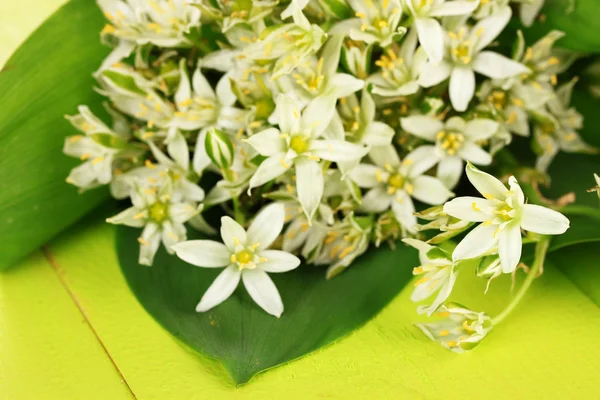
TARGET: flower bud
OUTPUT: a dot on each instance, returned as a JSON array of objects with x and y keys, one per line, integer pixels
[{"x": 219, "y": 148}]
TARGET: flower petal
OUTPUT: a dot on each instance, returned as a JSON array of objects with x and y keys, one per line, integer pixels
[
  {"x": 269, "y": 169},
  {"x": 473, "y": 209},
  {"x": 376, "y": 200},
  {"x": 430, "y": 190},
  {"x": 432, "y": 73},
  {"x": 486, "y": 30},
  {"x": 309, "y": 184},
  {"x": 288, "y": 114},
  {"x": 378, "y": 134},
  {"x": 404, "y": 211},
  {"x": 278, "y": 261},
  {"x": 423, "y": 126},
  {"x": 128, "y": 217},
  {"x": 203, "y": 253},
  {"x": 476, "y": 242},
  {"x": 263, "y": 291},
  {"x": 480, "y": 129},
  {"x": 267, "y": 142},
  {"x": 318, "y": 113},
  {"x": 543, "y": 220},
  {"x": 346, "y": 84},
  {"x": 222, "y": 287},
  {"x": 267, "y": 225},
  {"x": 449, "y": 171},
  {"x": 510, "y": 246},
  {"x": 431, "y": 37},
  {"x": 232, "y": 234},
  {"x": 462, "y": 87},
  {"x": 486, "y": 184},
  {"x": 150, "y": 240},
  {"x": 367, "y": 175},
  {"x": 475, "y": 154},
  {"x": 497, "y": 66},
  {"x": 337, "y": 150}
]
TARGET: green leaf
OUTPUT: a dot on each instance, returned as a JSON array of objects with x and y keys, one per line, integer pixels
[
  {"x": 48, "y": 77},
  {"x": 585, "y": 227},
  {"x": 239, "y": 333},
  {"x": 577, "y": 18}
]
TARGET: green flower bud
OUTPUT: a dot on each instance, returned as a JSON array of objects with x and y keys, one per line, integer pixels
[{"x": 219, "y": 148}]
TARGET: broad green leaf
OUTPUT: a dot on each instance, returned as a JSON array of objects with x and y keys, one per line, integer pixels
[
  {"x": 577, "y": 18},
  {"x": 581, "y": 264},
  {"x": 48, "y": 77},
  {"x": 585, "y": 227},
  {"x": 240, "y": 334}
]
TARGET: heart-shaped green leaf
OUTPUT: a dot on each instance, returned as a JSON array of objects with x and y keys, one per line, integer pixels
[
  {"x": 240, "y": 334},
  {"x": 48, "y": 77}
]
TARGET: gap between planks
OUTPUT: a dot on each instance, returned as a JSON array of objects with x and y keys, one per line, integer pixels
[{"x": 48, "y": 255}]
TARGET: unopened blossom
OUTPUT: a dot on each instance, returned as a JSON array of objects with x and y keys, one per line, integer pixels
[
  {"x": 161, "y": 213},
  {"x": 97, "y": 148},
  {"x": 439, "y": 220},
  {"x": 392, "y": 183},
  {"x": 455, "y": 140},
  {"x": 245, "y": 256},
  {"x": 399, "y": 70},
  {"x": 503, "y": 213},
  {"x": 460, "y": 329},
  {"x": 297, "y": 144},
  {"x": 288, "y": 45},
  {"x": 465, "y": 55},
  {"x": 556, "y": 128},
  {"x": 529, "y": 10},
  {"x": 430, "y": 31},
  {"x": 376, "y": 21},
  {"x": 506, "y": 105},
  {"x": 163, "y": 23},
  {"x": 439, "y": 273}
]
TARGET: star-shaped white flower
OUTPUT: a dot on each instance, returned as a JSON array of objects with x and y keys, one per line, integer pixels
[
  {"x": 431, "y": 33},
  {"x": 502, "y": 213},
  {"x": 161, "y": 213},
  {"x": 455, "y": 141},
  {"x": 392, "y": 183},
  {"x": 246, "y": 256},
  {"x": 296, "y": 144},
  {"x": 464, "y": 57},
  {"x": 377, "y": 21}
]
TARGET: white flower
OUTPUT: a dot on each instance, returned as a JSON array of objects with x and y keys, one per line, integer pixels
[
  {"x": 199, "y": 106},
  {"x": 440, "y": 274},
  {"x": 296, "y": 144},
  {"x": 431, "y": 33},
  {"x": 461, "y": 329},
  {"x": 464, "y": 57},
  {"x": 230, "y": 13},
  {"x": 556, "y": 128},
  {"x": 455, "y": 140},
  {"x": 343, "y": 243},
  {"x": 378, "y": 22},
  {"x": 289, "y": 45},
  {"x": 245, "y": 257},
  {"x": 317, "y": 77},
  {"x": 161, "y": 213},
  {"x": 506, "y": 105},
  {"x": 503, "y": 214},
  {"x": 97, "y": 149},
  {"x": 163, "y": 23},
  {"x": 399, "y": 70},
  {"x": 392, "y": 183}
]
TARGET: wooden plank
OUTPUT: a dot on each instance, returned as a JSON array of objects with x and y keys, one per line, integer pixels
[
  {"x": 47, "y": 349},
  {"x": 546, "y": 349}
]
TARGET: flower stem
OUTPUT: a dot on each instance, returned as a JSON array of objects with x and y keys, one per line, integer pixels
[
  {"x": 237, "y": 212},
  {"x": 540, "y": 256}
]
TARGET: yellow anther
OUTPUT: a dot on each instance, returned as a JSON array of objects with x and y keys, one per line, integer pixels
[
  {"x": 255, "y": 246},
  {"x": 97, "y": 160},
  {"x": 466, "y": 326},
  {"x": 139, "y": 215},
  {"x": 85, "y": 156},
  {"x": 452, "y": 343},
  {"x": 488, "y": 196},
  {"x": 444, "y": 314},
  {"x": 345, "y": 252},
  {"x": 421, "y": 281},
  {"x": 149, "y": 164},
  {"x": 443, "y": 333},
  {"x": 360, "y": 15},
  {"x": 233, "y": 258},
  {"x": 474, "y": 206},
  {"x": 143, "y": 242},
  {"x": 417, "y": 270}
]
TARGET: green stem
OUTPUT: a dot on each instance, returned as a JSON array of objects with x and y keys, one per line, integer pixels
[
  {"x": 237, "y": 212},
  {"x": 540, "y": 256}
]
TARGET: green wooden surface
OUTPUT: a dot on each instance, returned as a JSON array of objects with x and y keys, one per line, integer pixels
[{"x": 74, "y": 331}]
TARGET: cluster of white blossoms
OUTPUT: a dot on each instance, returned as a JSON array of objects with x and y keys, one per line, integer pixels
[{"x": 338, "y": 119}]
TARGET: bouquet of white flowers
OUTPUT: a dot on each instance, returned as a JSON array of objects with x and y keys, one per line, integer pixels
[{"x": 319, "y": 128}]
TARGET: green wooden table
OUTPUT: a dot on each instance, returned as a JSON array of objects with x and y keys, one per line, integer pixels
[{"x": 71, "y": 329}]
